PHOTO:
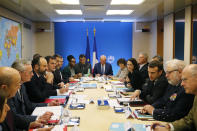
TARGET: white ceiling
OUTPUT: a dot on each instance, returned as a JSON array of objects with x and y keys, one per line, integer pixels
[{"x": 41, "y": 10}]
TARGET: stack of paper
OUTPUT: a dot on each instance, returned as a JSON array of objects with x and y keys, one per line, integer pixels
[
  {"x": 86, "y": 79},
  {"x": 124, "y": 100},
  {"x": 60, "y": 128},
  {"x": 55, "y": 128},
  {"x": 113, "y": 103},
  {"x": 88, "y": 85},
  {"x": 57, "y": 111},
  {"x": 78, "y": 99},
  {"x": 116, "y": 83}
]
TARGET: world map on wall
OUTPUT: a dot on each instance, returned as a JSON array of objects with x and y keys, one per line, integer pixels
[{"x": 10, "y": 41}]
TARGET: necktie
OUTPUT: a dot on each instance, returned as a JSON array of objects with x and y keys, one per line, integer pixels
[
  {"x": 9, "y": 120},
  {"x": 61, "y": 76},
  {"x": 22, "y": 102},
  {"x": 102, "y": 70}
]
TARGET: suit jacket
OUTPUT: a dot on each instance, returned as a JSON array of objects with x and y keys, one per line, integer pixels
[
  {"x": 153, "y": 90},
  {"x": 189, "y": 122},
  {"x": 22, "y": 107},
  {"x": 4, "y": 126},
  {"x": 108, "y": 69},
  {"x": 66, "y": 73},
  {"x": 136, "y": 80},
  {"x": 144, "y": 72},
  {"x": 58, "y": 77},
  {"x": 38, "y": 89},
  {"x": 83, "y": 68},
  {"x": 174, "y": 105},
  {"x": 8, "y": 124}
]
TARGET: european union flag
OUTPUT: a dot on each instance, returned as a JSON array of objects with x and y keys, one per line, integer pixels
[{"x": 87, "y": 50}]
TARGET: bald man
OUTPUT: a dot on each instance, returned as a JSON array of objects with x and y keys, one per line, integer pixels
[
  {"x": 103, "y": 68},
  {"x": 189, "y": 122},
  {"x": 10, "y": 82}
]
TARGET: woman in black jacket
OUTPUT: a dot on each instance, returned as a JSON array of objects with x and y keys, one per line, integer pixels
[{"x": 135, "y": 79}]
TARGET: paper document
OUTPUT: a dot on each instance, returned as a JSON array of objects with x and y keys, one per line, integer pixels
[
  {"x": 113, "y": 103},
  {"x": 57, "y": 111}
]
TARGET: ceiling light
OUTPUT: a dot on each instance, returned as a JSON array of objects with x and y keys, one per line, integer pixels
[
  {"x": 127, "y": 20},
  {"x": 69, "y": 12},
  {"x": 126, "y": 2},
  {"x": 119, "y": 12},
  {"x": 70, "y": 2}
]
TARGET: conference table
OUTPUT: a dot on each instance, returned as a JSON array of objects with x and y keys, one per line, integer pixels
[{"x": 94, "y": 119}]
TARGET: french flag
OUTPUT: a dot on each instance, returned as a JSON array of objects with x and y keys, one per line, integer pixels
[{"x": 95, "y": 54}]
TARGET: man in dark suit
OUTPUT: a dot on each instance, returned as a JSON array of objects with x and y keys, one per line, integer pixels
[
  {"x": 20, "y": 104},
  {"x": 102, "y": 68},
  {"x": 83, "y": 67},
  {"x": 189, "y": 122},
  {"x": 175, "y": 103},
  {"x": 155, "y": 86},
  {"x": 40, "y": 87},
  {"x": 10, "y": 83},
  {"x": 143, "y": 63},
  {"x": 51, "y": 63},
  {"x": 58, "y": 78}
]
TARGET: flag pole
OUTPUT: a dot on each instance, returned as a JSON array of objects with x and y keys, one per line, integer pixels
[{"x": 94, "y": 31}]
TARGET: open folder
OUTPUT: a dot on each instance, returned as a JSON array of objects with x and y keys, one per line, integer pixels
[
  {"x": 126, "y": 100},
  {"x": 137, "y": 114}
]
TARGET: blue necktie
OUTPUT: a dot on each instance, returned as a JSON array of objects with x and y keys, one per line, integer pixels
[{"x": 102, "y": 70}]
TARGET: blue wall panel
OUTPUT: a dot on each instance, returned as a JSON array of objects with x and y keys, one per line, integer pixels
[
  {"x": 194, "y": 52},
  {"x": 179, "y": 40},
  {"x": 112, "y": 39}
]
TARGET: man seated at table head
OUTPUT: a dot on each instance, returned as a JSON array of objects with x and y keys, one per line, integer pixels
[
  {"x": 83, "y": 67},
  {"x": 189, "y": 122},
  {"x": 69, "y": 72},
  {"x": 155, "y": 86},
  {"x": 175, "y": 103},
  {"x": 58, "y": 78},
  {"x": 143, "y": 63},
  {"x": 20, "y": 104},
  {"x": 103, "y": 68},
  {"x": 40, "y": 87}
]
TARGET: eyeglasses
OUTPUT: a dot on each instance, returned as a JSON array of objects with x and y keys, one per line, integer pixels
[{"x": 168, "y": 72}]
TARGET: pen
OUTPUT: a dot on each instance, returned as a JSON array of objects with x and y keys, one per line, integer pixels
[{"x": 157, "y": 125}]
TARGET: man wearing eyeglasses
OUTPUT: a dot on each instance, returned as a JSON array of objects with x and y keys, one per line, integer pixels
[
  {"x": 189, "y": 122},
  {"x": 175, "y": 103}
]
